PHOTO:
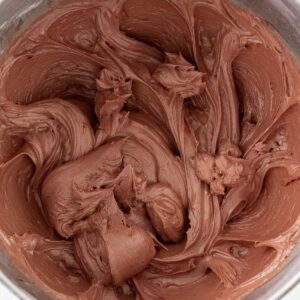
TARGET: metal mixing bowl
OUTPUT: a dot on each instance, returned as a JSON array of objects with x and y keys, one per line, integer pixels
[{"x": 283, "y": 15}]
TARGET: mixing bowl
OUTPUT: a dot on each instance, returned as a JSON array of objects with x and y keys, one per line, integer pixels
[{"x": 283, "y": 15}]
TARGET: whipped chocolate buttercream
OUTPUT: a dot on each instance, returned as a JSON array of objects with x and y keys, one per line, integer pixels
[{"x": 149, "y": 150}]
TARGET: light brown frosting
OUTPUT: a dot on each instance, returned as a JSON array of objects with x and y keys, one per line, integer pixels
[{"x": 149, "y": 150}]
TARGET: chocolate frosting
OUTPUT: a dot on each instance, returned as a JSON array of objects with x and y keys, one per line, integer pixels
[{"x": 149, "y": 150}]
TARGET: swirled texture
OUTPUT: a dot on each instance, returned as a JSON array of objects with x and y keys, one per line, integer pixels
[{"x": 149, "y": 150}]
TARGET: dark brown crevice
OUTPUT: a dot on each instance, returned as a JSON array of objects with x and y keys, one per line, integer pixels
[{"x": 240, "y": 96}]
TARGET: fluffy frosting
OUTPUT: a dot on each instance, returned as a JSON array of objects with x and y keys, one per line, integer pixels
[{"x": 149, "y": 150}]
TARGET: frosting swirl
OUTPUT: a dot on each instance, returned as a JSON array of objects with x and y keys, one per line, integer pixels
[{"x": 149, "y": 150}]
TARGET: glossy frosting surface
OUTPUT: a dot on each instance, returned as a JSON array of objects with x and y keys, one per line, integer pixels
[{"x": 149, "y": 150}]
